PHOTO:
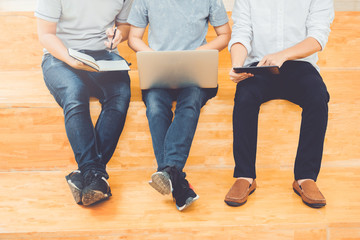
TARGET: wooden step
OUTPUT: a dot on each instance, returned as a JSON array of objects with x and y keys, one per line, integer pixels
[
  {"x": 34, "y": 137},
  {"x": 38, "y": 205},
  {"x": 35, "y": 156},
  {"x": 21, "y": 50},
  {"x": 26, "y": 89}
]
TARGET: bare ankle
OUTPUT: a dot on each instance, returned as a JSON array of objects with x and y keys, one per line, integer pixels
[
  {"x": 250, "y": 180},
  {"x": 300, "y": 181}
]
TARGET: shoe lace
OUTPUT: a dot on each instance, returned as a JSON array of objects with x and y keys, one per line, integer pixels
[{"x": 92, "y": 176}]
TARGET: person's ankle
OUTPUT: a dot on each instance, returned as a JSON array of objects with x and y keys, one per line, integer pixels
[
  {"x": 300, "y": 181},
  {"x": 250, "y": 180}
]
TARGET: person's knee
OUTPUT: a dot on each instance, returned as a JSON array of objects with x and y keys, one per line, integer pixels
[
  {"x": 245, "y": 98},
  {"x": 156, "y": 102},
  {"x": 156, "y": 108},
  {"x": 192, "y": 99},
  {"x": 75, "y": 106},
  {"x": 317, "y": 98},
  {"x": 118, "y": 104},
  {"x": 190, "y": 109},
  {"x": 75, "y": 100}
]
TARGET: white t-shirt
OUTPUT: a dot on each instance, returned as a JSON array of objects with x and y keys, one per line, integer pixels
[
  {"x": 266, "y": 27},
  {"x": 81, "y": 24}
]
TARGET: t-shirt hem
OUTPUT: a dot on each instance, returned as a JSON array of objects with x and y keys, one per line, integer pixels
[
  {"x": 137, "y": 24},
  {"x": 45, "y": 17},
  {"x": 220, "y": 23},
  {"x": 121, "y": 20}
]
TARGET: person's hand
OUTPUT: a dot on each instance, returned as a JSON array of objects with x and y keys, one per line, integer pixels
[
  {"x": 238, "y": 77},
  {"x": 115, "y": 40},
  {"x": 275, "y": 59},
  {"x": 80, "y": 66}
]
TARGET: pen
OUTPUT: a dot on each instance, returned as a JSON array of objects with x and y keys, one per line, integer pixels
[{"x": 113, "y": 39}]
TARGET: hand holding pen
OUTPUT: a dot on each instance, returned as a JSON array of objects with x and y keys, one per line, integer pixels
[{"x": 114, "y": 38}]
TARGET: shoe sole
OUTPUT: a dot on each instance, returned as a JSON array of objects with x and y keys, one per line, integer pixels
[
  {"x": 188, "y": 202},
  {"x": 313, "y": 205},
  {"x": 94, "y": 196},
  {"x": 161, "y": 182},
  {"x": 76, "y": 192},
  {"x": 236, "y": 204}
]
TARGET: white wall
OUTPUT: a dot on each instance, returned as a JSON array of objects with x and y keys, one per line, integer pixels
[
  {"x": 340, "y": 5},
  {"x": 29, "y": 5}
]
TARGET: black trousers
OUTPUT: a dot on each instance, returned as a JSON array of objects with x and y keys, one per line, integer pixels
[{"x": 300, "y": 83}]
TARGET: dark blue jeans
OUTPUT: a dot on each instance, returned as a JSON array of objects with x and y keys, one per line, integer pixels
[
  {"x": 300, "y": 83},
  {"x": 93, "y": 146},
  {"x": 172, "y": 137}
]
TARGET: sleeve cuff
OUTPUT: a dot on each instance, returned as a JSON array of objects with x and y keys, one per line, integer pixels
[
  {"x": 136, "y": 24},
  {"x": 121, "y": 20},
  {"x": 320, "y": 40},
  {"x": 246, "y": 45},
  {"x": 220, "y": 22},
  {"x": 45, "y": 17}
]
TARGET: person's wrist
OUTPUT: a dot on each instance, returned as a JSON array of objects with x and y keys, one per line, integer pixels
[
  {"x": 285, "y": 56},
  {"x": 236, "y": 65},
  {"x": 72, "y": 62}
]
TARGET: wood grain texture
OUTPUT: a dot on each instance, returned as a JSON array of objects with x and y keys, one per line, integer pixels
[
  {"x": 43, "y": 207},
  {"x": 35, "y": 156},
  {"x": 344, "y": 43},
  {"x": 32, "y": 128}
]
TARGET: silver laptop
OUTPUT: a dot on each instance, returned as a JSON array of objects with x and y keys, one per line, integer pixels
[{"x": 176, "y": 69}]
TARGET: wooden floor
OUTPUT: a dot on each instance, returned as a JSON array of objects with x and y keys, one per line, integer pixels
[{"x": 35, "y": 155}]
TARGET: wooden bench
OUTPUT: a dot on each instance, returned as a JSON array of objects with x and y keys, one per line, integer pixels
[{"x": 35, "y": 155}]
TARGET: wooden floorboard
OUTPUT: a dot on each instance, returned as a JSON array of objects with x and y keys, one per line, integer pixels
[
  {"x": 39, "y": 204},
  {"x": 343, "y": 44},
  {"x": 35, "y": 156},
  {"x": 33, "y": 129}
]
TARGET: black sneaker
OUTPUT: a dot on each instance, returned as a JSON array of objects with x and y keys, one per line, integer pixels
[
  {"x": 96, "y": 188},
  {"x": 76, "y": 184},
  {"x": 170, "y": 180},
  {"x": 184, "y": 194}
]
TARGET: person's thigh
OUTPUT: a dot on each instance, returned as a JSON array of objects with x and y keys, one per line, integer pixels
[
  {"x": 302, "y": 84},
  {"x": 107, "y": 85},
  {"x": 64, "y": 83},
  {"x": 191, "y": 96},
  {"x": 257, "y": 90},
  {"x": 157, "y": 100}
]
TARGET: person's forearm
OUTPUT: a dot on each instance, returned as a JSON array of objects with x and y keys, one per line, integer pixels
[
  {"x": 238, "y": 54},
  {"x": 55, "y": 46},
  {"x": 138, "y": 44},
  {"x": 223, "y": 35},
  {"x": 303, "y": 49},
  {"x": 125, "y": 29},
  {"x": 219, "y": 43}
]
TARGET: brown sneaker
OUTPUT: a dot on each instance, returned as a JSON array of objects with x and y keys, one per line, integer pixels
[
  {"x": 309, "y": 193},
  {"x": 239, "y": 192}
]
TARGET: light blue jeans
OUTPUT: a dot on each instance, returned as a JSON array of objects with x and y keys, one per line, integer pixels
[
  {"x": 92, "y": 146},
  {"x": 172, "y": 137}
]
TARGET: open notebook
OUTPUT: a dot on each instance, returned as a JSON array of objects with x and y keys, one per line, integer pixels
[{"x": 100, "y": 65}]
